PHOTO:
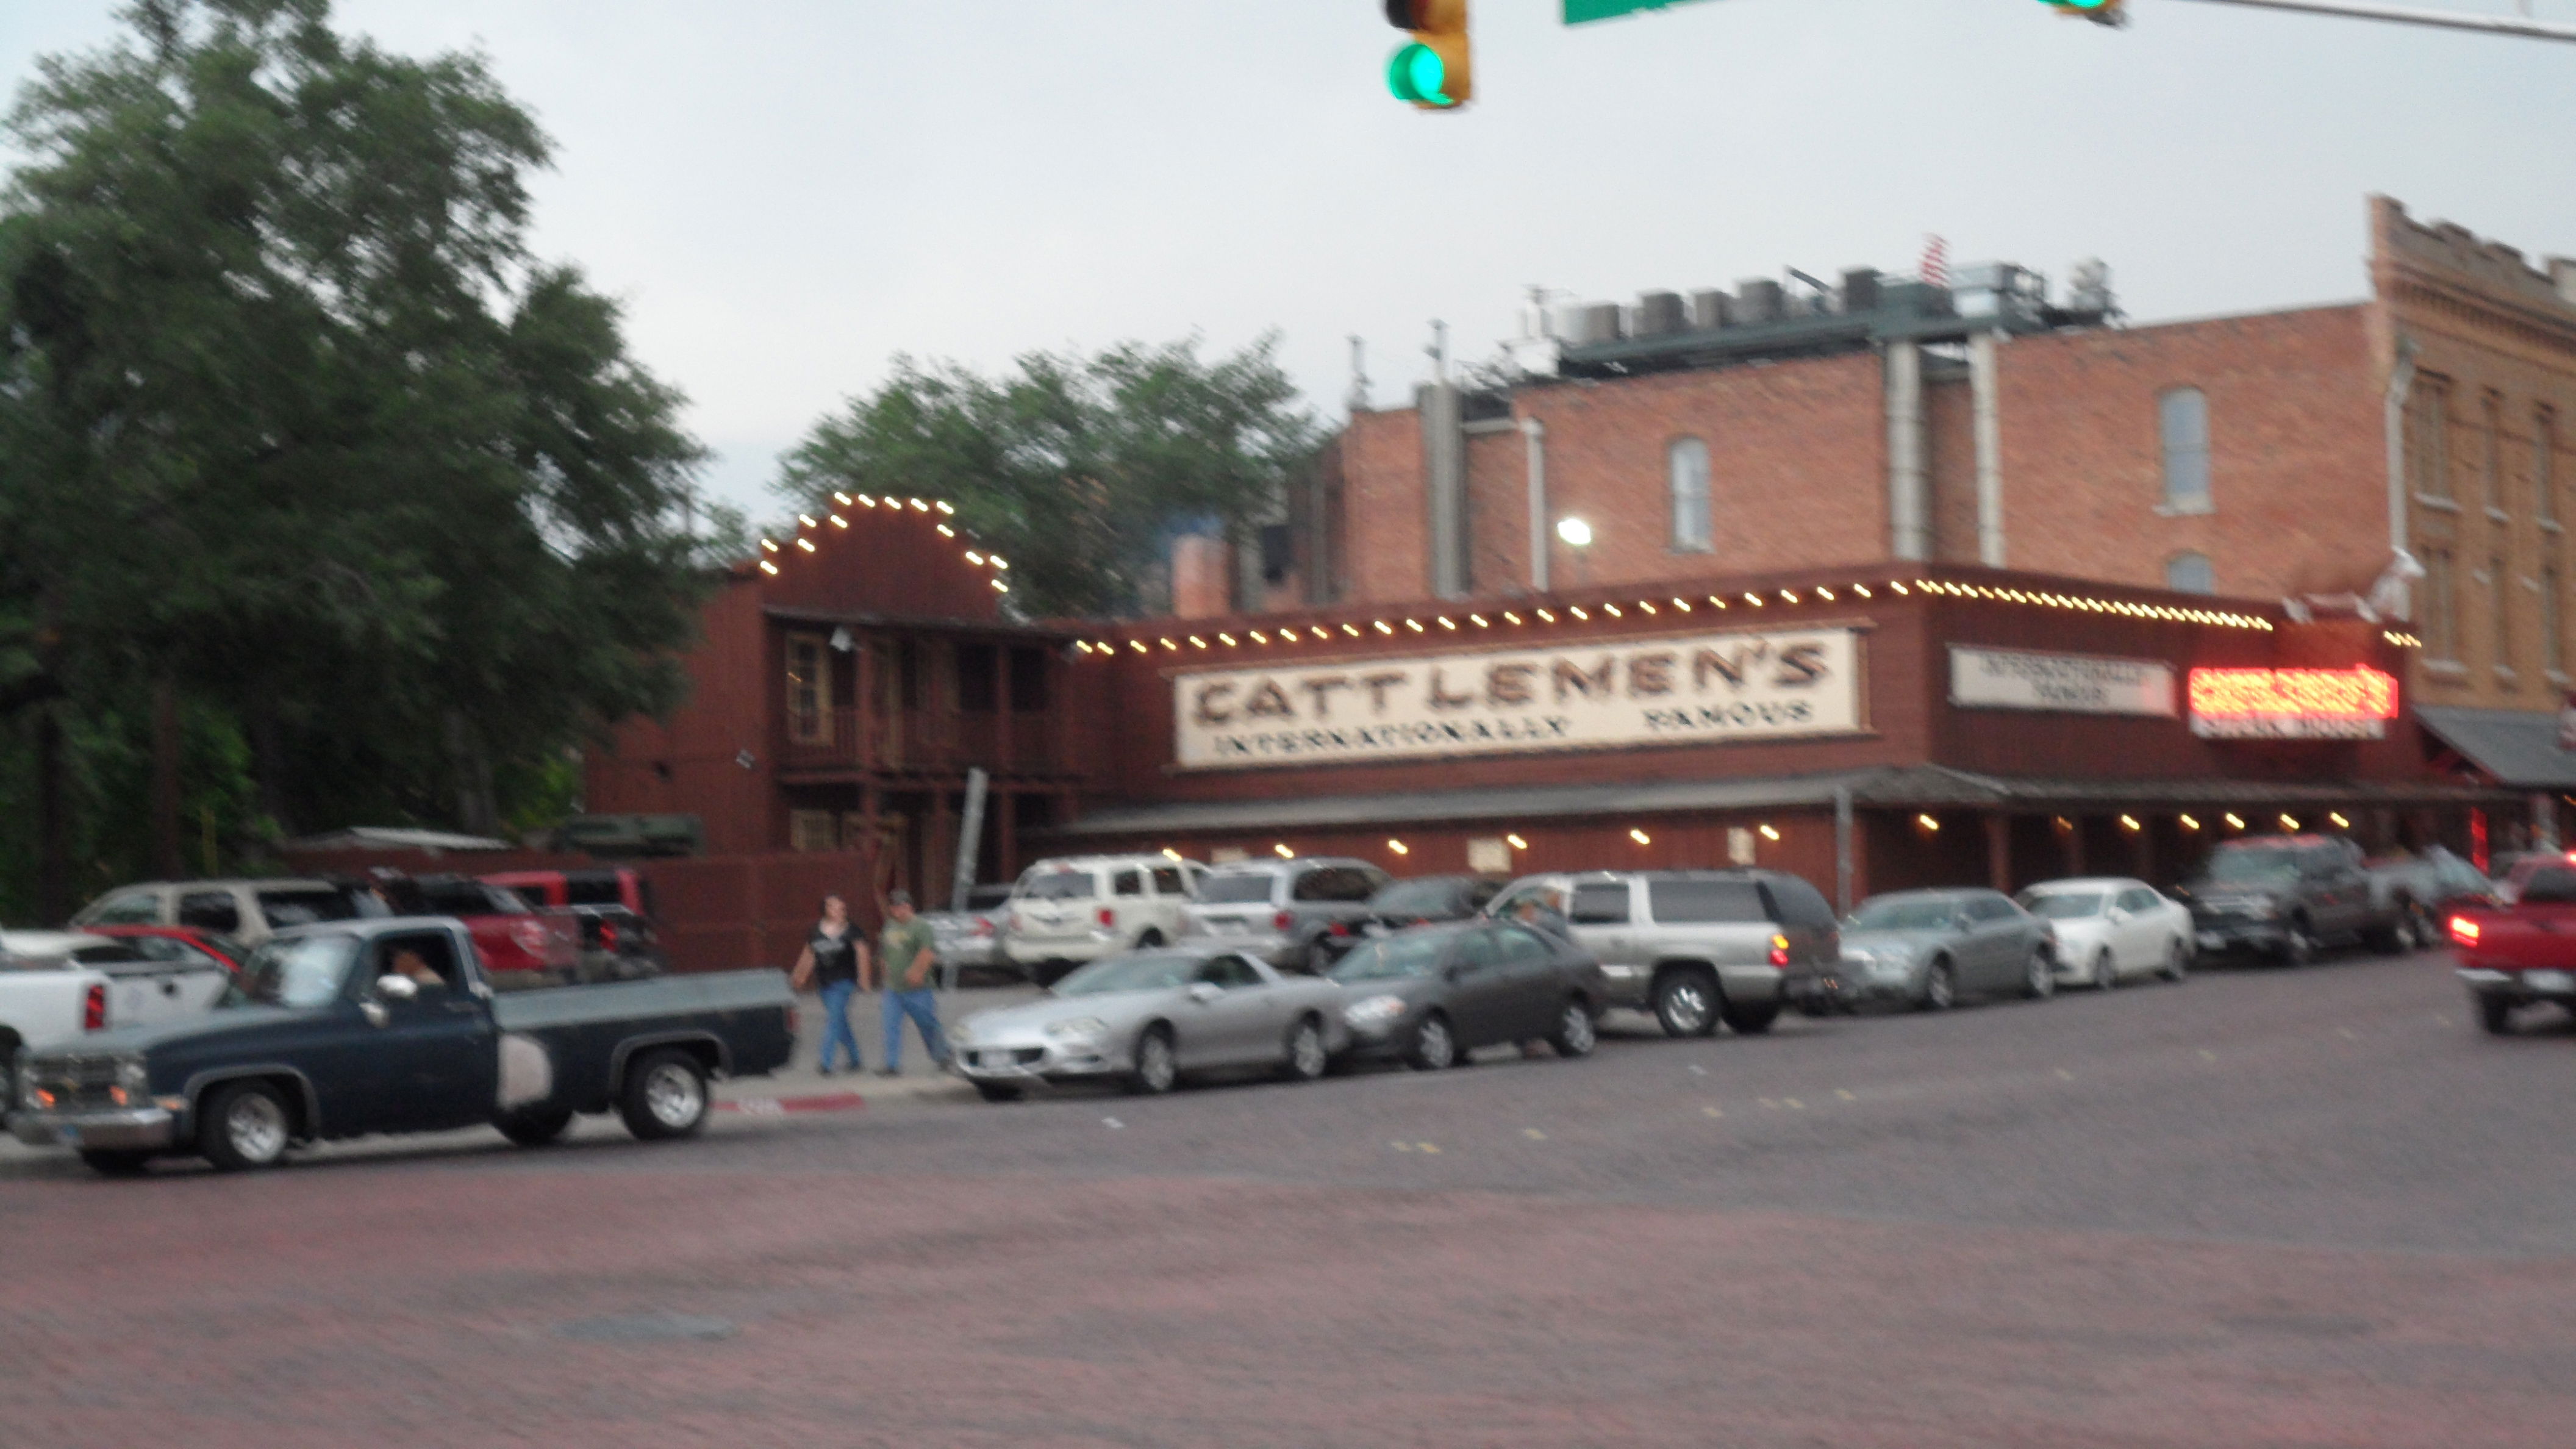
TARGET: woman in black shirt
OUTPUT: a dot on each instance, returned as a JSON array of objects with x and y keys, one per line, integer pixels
[{"x": 836, "y": 958}]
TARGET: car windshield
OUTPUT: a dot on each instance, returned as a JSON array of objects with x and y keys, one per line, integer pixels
[
  {"x": 1152, "y": 971},
  {"x": 1234, "y": 890},
  {"x": 1057, "y": 885},
  {"x": 1415, "y": 898},
  {"x": 301, "y": 971},
  {"x": 2062, "y": 905},
  {"x": 2245, "y": 867},
  {"x": 1392, "y": 959},
  {"x": 1912, "y": 914}
]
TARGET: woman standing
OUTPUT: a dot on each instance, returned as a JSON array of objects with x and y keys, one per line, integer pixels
[{"x": 836, "y": 956}]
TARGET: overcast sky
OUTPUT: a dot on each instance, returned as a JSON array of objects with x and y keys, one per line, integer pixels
[{"x": 786, "y": 195}]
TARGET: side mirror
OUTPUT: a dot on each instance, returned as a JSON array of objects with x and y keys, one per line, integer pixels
[
  {"x": 397, "y": 988},
  {"x": 1204, "y": 992},
  {"x": 2117, "y": 914}
]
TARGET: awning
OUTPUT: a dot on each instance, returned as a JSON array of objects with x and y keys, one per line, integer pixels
[
  {"x": 1912, "y": 787},
  {"x": 2518, "y": 748}
]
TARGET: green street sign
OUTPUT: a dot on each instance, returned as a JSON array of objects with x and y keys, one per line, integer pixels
[{"x": 1578, "y": 11}]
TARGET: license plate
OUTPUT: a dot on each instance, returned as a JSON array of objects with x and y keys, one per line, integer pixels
[
  {"x": 2211, "y": 941},
  {"x": 2548, "y": 981},
  {"x": 68, "y": 1136}
]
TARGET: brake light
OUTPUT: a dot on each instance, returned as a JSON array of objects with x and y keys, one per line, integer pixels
[
  {"x": 1779, "y": 950},
  {"x": 608, "y": 935},
  {"x": 1340, "y": 928},
  {"x": 94, "y": 1008},
  {"x": 2464, "y": 930},
  {"x": 982, "y": 927},
  {"x": 1109, "y": 917},
  {"x": 1282, "y": 921}
]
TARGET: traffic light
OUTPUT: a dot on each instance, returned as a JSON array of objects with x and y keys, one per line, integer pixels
[
  {"x": 2100, "y": 12},
  {"x": 1432, "y": 69}
]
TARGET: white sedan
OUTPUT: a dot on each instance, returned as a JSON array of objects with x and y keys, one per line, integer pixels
[{"x": 2109, "y": 927}]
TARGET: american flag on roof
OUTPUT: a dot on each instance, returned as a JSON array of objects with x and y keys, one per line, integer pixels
[{"x": 1936, "y": 261}]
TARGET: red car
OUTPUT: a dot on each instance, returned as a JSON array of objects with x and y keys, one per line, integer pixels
[
  {"x": 178, "y": 943},
  {"x": 612, "y": 907},
  {"x": 2512, "y": 956},
  {"x": 512, "y": 935}
]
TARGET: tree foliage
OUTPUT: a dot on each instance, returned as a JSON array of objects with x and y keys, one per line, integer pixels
[
  {"x": 291, "y": 417},
  {"x": 1078, "y": 469}
]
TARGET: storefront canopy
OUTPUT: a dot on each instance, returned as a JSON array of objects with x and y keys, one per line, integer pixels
[{"x": 2516, "y": 748}]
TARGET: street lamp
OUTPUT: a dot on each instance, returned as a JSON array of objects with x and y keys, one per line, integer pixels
[{"x": 1575, "y": 532}]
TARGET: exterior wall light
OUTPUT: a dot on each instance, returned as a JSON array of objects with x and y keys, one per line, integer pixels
[
  {"x": 1284, "y": 852},
  {"x": 2234, "y": 822},
  {"x": 2188, "y": 823},
  {"x": 1516, "y": 842},
  {"x": 1928, "y": 823},
  {"x": 1641, "y": 837},
  {"x": 1398, "y": 847},
  {"x": 1575, "y": 532},
  {"x": 1770, "y": 833}
]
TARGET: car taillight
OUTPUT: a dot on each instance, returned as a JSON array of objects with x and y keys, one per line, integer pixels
[
  {"x": 2464, "y": 930},
  {"x": 1282, "y": 921},
  {"x": 1108, "y": 917},
  {"x": 982, "y": 927},
  {"x": 1779, "y": 950},
  {"x": 608, "y": 935},
  {"x": 94, "y": 1009},
  {"x": 1340, "y": 928}
]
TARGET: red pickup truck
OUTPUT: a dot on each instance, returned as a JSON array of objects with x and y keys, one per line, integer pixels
[{"x": 2513, "y": 955}]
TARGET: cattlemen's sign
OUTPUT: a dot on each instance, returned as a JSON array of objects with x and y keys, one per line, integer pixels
[{"x": 1700, "y": 689}]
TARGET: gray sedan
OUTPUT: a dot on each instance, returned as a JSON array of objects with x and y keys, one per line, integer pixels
[
  {"x": 1929, "y": 948},
  {"x": 1145, "y": 1017}
]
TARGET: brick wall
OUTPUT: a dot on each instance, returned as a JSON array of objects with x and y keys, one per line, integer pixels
[{"x": 1386, "y": 510}]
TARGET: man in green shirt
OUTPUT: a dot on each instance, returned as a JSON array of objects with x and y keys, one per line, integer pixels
[{"x": 909, "y": 955}]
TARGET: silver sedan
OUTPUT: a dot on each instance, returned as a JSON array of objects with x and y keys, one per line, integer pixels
[{"x": 1145, "y": 1017}]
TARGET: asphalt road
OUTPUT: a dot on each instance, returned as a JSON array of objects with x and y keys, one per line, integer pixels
[{"x": 2262, "y": 1208}]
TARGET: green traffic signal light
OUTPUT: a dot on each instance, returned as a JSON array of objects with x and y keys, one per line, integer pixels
[{"x": 1416, "y": 73}]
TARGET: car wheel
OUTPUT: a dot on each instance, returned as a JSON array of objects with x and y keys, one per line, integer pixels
[
  {"x": 1940, "y": 986},
  {"x": 2106, "y": 971},
  {"x": 1686, "y": 1003},
  {"x": 665, "y": 1096},
  {"x": 119, "y": 1163},
  {"x": 1149, "y": 940},
  {"x": 246, "y": 1125},
  {"x": 2177, "y": 961},
  {"x": 2038, "y": 976},
  {"x": 535, "y": 1126},
  {"x": 1575, "y": 1034},
  {"x": 1750, "y": 1019},
  {"x": 2495, "y": 1013},
  {"x": 1157, "y": 1070},
  {"x": 2298, "y": 947},
  {"x": 1306, "y": 1059},
  {"x": 997, "y": 1091},
  {"x": 1434, "y": 1047}
]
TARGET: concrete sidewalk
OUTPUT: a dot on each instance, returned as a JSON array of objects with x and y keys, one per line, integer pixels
[{"x": 800, "y": 1087}]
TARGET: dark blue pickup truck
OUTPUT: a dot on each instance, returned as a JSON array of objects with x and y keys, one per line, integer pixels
[{"x": 350, "y": 1028}]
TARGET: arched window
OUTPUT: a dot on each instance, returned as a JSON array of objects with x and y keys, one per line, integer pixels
[
  {"x": 2182, "y": 418},
  {"x": 1686, "y": 470},
  {"x": 2189, "y": 573}
]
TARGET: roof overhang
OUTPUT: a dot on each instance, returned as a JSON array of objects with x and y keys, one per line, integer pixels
[{"x": 2516, "y": 748}]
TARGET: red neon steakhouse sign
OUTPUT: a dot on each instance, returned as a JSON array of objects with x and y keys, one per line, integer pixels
[{"x": 2292, "y": 704}]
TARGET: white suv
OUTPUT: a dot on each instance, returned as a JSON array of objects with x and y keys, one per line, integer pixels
[{"x": 1073, "y": 909}]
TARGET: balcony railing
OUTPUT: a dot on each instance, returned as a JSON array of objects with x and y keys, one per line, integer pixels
[{"x": 919, "y": 740}]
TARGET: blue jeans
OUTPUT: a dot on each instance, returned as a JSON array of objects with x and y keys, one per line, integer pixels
[
  {"x": 923, "y": 1007},
  {"x": 836, "y": 1024}
]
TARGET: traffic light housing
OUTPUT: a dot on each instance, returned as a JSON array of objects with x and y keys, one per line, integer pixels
[
  {"x": 2100, "y": 12},
  {"x": 1432, "y": 70}
]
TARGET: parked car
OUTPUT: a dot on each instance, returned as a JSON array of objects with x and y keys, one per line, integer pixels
[
  {"x": 512, "y": 935},
  {"x": 2289, "y": 896},
  {"x": 1145, "y": 1018},
  {"x": 2109, "y": 927},
  {"x": 2509, "y": 884},
  {"x": 2434, "y": 882},
  {"x": 57, "y": 986},
  {"x": 620, "y": 886},
  {"x": 1431, "y": 995},
  {"x": 178, "y": 943},
  {"x": 2521, "y": 954},
  {"x": 246, "y": 910},
  {"x": 610, "y": 909},
  {"x": 1694, "y": 947},
  {"x": 1423, "y": 900},
  {"x": 390, "y": 1026},
  {"x": 1930, "y": 948},
  {"x": 971, "y": 939},
  {"x": 1287, "y": 912},
  {"x": 1069, "y": 910}
]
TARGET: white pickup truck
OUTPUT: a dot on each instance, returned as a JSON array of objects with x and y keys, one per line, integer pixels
[{"x": 56, "y": 985}]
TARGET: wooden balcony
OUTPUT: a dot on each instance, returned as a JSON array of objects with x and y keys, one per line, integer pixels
[{"x": 917, "y": 741}]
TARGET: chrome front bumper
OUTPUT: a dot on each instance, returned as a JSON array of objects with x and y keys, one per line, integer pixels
[
  {"x": 1024, "y": 1060},
  {"x": 130, "y": 1129}
]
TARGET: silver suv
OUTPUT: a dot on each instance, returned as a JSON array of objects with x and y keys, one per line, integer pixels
[
  {"x": 1297, "y": 915},
  {"x": 1695, "y": 947}
]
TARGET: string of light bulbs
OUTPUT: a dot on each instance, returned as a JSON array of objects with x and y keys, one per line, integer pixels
[{"x": 940, "y": 508}]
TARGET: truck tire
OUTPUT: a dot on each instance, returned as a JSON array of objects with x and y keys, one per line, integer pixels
[
  {"x": 1686, "y": 1001},
  {"x": 1750, "y": 1018},
  {"x": 2495, "y": 1014},
  {"x": 2299, "y": 943},
  {"x": 665, "y": 1096},
  {"x": 244, "y": 1125},
  {"x": 534, "y": 1126},
  {"x": 118, "y": 1163},
  {"x": 2397, "y": 936}
]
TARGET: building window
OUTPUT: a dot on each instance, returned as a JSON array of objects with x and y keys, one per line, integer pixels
[
  {"x": 809, "y": 690},
  {"x": 2182, "y": 419},
  {"x": 1686, "y": 465},
  {"x": 2544, "y": 477},
  {"x": 2190, "y": 573},
  {"x": 2428, "y": 437},
  {"x": 2491, "y": 463},
  {"x": 2499, "y": 614},
  {"x": 2553, "y": 627},
  {"x": 2441, "y": 608}
]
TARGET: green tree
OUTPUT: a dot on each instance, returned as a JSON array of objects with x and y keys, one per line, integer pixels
[
  {"x": 294, "y": 425},
  {"x": 1078, "y": 469}
]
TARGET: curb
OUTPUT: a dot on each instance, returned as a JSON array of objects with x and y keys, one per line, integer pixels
[{"x": 781, "y": 1106}]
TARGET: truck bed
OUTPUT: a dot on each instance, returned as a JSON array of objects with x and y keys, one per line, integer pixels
[{"x": 744, "y": 1017}]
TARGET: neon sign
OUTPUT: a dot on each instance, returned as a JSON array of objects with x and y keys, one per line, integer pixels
[{"x": 2292, "y": 704}]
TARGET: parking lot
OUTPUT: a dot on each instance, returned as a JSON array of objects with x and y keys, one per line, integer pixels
[{"x": 2263, "y": 1207}]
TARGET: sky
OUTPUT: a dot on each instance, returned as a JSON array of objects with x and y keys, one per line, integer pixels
[{"x": 788, "y": 195}]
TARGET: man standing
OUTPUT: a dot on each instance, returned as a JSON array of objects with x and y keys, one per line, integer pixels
[{"x": 909, "y": 953}]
